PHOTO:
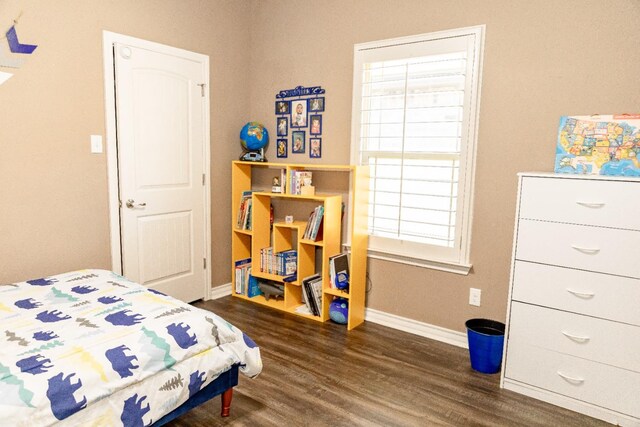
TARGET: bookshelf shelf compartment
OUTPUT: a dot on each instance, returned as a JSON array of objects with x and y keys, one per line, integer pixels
[
  {"x": 260, "y": 299},
  {"x": 268, "y": 276},
  {"x": 238, "y": 230},
  {"x": 312, "y": 255},
  {"x": 316, "y": 197},
  {"x": 294, "y": 224},
  {"x": 336, "y": 293},
  {"x": 312, "y": 242}
]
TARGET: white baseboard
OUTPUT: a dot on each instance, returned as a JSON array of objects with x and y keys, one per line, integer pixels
[
  {"x": 427, "y": 330},
  {"x": 220, "y": 291}
]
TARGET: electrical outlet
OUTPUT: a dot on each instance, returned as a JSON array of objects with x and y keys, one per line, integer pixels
[{"x": 474, "y": 296}]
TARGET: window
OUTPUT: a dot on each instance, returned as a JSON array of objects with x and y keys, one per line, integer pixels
[{"x": 415, "y": 109}]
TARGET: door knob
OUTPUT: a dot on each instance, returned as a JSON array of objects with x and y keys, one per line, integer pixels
[{"x": 131, "y": 204}]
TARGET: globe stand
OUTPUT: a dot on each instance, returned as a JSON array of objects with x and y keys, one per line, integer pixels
[{"x": 253, "y": 156}]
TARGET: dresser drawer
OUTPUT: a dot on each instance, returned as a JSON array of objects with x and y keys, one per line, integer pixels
[
  {"x": 594, "y": 294},
  {"x": 591, "y": 382},
  {"x": 603, "y": 341},
  {"x": 581, "y": 201},
  {"x": 587, "y": 248}
]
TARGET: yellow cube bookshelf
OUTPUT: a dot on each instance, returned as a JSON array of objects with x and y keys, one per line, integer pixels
[{"x": 284, "y": 236}]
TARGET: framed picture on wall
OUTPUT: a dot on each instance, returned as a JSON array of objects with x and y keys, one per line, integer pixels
[
  {"x": 316, "y": 104},
  {"x": 297, "y": 141},
  {"x": 315, "y": 148},
  {"x": 316, "y": 124},
  {"x": 283, "y": 107},
  {"x": 282, "y": 128},
  {"x": 299, "y": 113},
  {"x": 281, "y": 150}
]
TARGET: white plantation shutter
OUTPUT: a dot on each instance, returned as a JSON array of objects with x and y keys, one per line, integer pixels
[{"x": 415, "y": 109}]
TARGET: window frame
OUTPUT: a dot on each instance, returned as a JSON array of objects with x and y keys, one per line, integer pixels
[{"x": 456, "y": 260}]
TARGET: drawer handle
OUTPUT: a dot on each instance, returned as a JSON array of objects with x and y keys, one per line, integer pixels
[
  {"x": 570, "y": 379},
  {"x": 585, "y": 295},
  {"x": 575, "y": 337},
  {"x": 588, "y": 251},
  {"x": 591, "y": 205}
]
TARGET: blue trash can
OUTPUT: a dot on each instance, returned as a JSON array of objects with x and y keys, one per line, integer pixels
[{"x": 486, "y": 341}]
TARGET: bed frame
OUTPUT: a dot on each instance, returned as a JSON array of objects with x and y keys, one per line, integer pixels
[{"x": 222, "y": 385}]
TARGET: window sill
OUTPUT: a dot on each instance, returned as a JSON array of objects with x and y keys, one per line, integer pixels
[{"x": 448, "y": 266}]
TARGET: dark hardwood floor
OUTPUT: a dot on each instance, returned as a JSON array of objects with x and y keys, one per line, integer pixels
[{"x": 319, "y": 375}]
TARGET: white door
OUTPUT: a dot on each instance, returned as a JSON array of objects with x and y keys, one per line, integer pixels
[{"x": 160, "y": 107}]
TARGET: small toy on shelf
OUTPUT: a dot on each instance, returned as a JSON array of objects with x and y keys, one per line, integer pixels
[
  {"x": 275, "y": 185},
  {"x": 270, "y": 289}
]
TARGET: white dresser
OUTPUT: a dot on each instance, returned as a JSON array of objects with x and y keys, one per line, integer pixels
[{"x": 573, "y": 323}]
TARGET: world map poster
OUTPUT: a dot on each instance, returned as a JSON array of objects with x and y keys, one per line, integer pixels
[{"x": 599, "y": 145}]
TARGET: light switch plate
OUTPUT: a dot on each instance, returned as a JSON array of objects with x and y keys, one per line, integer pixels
[
  {"x": 96, "y": 143},
  {"x": 474, "y": 296}
]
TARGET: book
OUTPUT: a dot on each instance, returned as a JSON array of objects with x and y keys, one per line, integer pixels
[
  {"x": 309, "y": 293},
  {"x": 312, "y": 302},
  {"x": 242, "y": 220},
  {"x": 241, "y": 276},
  {"x": 238, "y": 281},
  {"x": 252, "y": 287},
  {"x": 299, "y": 179},
  {"x": 306, "y": 294},
  {"x": 305, "y": 298},
  {"x": 247, "y": 215},
  {"x": 283, "y": 181},
  {"x": 316, "y": 289},
  {"x": 316, "y": 223},
  {"x": 263, "y": 259},
  {"x": 305, "y": 235},
  {"x": 287, "y": 262}
]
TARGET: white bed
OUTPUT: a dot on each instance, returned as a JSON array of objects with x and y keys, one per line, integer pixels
[{"x": 93, "y": 348}]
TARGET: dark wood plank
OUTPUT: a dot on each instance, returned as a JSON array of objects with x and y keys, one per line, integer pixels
[{"x": 318, "y": 374}]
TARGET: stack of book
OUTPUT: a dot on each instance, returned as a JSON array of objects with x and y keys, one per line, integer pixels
[
  {"x": 314, "y": 224},
  {"x": 266, "y": 260},
  {"x": 246, "y": 284},
  {"x": 312, "y": 293},
  {"x": 244, "y": 212},
  {"x": 283, "y": 263},
  {"x": 287, "y": 262},
  {"x": 339, "y": 272},
  {"x": 299, "y": 179}
]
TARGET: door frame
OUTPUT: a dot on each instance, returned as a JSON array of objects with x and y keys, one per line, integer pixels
[{"x": 108, "y": 40}]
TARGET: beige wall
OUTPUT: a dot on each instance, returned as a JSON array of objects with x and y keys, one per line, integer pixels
[
  {"x": 543, "y": 59},
  {"x": 53, "y": 192}
]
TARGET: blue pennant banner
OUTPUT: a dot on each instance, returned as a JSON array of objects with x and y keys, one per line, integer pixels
[
  {"x": 300, "y": 91},
  {"x": 16, "y": 46}
]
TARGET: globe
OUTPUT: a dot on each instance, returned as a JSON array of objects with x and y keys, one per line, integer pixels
[
  {"x": 339, "y": 310},
  {"x": 253, "y": 138}
]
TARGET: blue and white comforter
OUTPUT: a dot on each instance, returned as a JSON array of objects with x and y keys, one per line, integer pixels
[{"x": 93, "y": 348}]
